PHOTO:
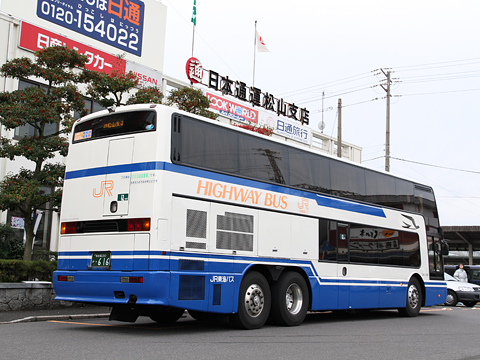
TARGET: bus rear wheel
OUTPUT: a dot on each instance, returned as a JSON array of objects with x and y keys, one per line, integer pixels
[
  {"x": 414, "y": 299},
  {"x": 290, "y": 299},
  {"x": 253, "y": 302}
]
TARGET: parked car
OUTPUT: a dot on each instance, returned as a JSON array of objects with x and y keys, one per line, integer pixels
[
  {"x": 457, "y": 291},
  {"x": 473, "y": 272}
]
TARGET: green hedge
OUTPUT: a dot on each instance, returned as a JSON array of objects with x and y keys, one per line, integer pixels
[{"x": 19, "y": 270}]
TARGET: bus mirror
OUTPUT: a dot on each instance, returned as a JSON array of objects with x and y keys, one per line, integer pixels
[{"x": 445, "y": 248}]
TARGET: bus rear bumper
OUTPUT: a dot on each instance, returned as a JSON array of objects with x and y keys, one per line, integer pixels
[{"x": 112, "y": 287}]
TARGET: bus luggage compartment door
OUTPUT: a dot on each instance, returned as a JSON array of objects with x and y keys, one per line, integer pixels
[{"x": 118, "y": 174}]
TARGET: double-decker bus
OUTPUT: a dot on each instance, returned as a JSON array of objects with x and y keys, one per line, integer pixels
[{"x": 164, "y": 211}]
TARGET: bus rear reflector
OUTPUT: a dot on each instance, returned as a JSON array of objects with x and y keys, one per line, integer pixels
[
  {"x": 66, "y": 278},
  {"x": 139, "y": 224},
  {"x": 131, "y": 279}
]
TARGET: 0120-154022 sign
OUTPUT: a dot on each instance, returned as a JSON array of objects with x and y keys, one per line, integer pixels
[{"x": 123, "y": 32}]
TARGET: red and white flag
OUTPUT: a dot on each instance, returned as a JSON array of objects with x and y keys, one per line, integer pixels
[{"x": 261, "y": 47}]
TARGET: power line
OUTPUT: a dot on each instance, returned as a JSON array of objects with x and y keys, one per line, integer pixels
[
  {"x": 425, "y": 164},
  {"x": 421, "y": 66},
  {"x": 330, "y": 83},
  {"x": 441, "y": 92}
]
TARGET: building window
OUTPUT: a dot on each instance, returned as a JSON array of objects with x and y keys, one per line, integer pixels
[
  {"x": 27, "y": 129},
  {"x": 91, "y": 105}
]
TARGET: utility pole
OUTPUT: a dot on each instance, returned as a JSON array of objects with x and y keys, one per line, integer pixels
[
  {"x": 323, "y": 110},
  {"x": 339, "y": 131},
  {"x": 387, "y": 141}
]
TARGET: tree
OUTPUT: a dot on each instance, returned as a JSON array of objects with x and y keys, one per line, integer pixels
[
  {"x": 11, "y": 247},
  {"x": 61, "y": 69},
  {"x": 109, "y": 89},
  {"x": 146, "y": 95},
  {"x": 191, "y": 100}
]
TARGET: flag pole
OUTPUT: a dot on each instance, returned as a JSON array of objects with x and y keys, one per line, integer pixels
[
  {"x": 194, "y": 21},
  {"x": 193, "y": 38},
  {"x": 254, "y": 53}
]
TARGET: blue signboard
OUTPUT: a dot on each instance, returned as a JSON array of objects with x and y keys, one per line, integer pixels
[{"x": 118, "y": 23}]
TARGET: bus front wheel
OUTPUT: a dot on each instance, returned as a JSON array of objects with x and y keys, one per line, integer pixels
[
  {"x": 290, "y": 299},
  {"x": 414, "y": 299},
  {"x": 253, "y": 302}
]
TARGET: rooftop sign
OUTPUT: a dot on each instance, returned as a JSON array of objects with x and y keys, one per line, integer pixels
[{"x": 241, "y": 91}]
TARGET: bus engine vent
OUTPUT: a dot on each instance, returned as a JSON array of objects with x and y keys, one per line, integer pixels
[
  {"x": 196, "y": 224},
  {"x": 235, "y": 232},
  {"x": 217, "y": 295},
  {"x": 195, "y": 245},
  {"x": 191, "y": 287}
]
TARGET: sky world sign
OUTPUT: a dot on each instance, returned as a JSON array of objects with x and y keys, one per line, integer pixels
[{"x": 118, "y": 23}]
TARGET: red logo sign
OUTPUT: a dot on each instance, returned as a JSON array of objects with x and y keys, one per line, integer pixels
[
  {"x": 34, "y": 38},
  {"x": 194, "y": 70}
]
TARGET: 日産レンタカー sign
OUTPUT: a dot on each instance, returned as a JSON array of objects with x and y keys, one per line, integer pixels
[
  {"x": 34, "y": 38},
  {"x": 118, "y": 23}
]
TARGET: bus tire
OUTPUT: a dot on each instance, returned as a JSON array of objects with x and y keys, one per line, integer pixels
[
  {"x": 414, "y": 299},
  {"x": 253, "y": 302},
  {"x": 168, "y": 316},
  {"x": 290, "y": 299}
]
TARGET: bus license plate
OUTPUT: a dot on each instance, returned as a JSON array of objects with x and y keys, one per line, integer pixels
[{"x": 100, "y": 259}]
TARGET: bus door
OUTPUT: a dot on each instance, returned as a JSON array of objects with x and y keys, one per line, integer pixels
[
  {"x": 328, "y": 266},
  {"x": 116, "y": 187},
  {"x": 358, "y": 266}
]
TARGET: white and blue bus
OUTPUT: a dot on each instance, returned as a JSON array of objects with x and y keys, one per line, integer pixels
[{"x": 164, "y": 211}]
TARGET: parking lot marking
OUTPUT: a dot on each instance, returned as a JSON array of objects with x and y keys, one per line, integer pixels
[{"x": 431, "y": 310}]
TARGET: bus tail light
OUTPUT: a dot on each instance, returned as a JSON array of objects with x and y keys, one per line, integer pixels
[
  {"x": 66, "y": 278},
  {"x": 132, "y": 279},
  {"x": 68, "y": 228},
  {"x": 139, "y": 224}
]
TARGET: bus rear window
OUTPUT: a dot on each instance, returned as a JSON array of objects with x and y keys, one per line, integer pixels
[{"x": 115, "y": 124}]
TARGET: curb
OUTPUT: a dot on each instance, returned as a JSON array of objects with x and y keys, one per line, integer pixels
[{"x": 56, "y": 317}]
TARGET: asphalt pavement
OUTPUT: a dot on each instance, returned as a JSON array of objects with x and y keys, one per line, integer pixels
[{"x": 65, "y": 313}]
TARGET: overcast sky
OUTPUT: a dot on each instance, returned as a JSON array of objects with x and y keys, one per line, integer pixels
[{"x": 431, "y": 47}]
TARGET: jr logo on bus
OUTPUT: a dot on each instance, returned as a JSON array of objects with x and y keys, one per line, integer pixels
[
  {"x": 303, "y": 206},
  {"x": 222, "y": 279},
  {"x": 104, "y": 185}
]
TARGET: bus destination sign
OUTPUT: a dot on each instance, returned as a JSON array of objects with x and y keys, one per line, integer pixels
[{"x": 113, "y": 124}]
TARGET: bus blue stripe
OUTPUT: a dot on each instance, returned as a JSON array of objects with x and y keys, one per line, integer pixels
[
  {"x": 321, "y": 200},
  {"x": 306, "y": 265}
]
